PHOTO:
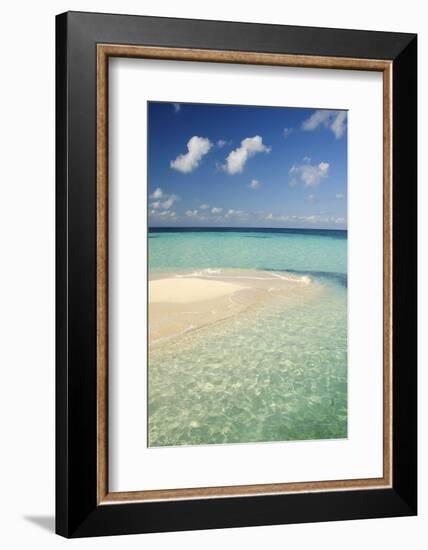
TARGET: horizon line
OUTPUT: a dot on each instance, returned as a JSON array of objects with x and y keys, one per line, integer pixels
[{"x": 246, "y": 227}]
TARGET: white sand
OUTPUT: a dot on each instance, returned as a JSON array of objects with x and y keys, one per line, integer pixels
[{"x": 180, "y": 291}]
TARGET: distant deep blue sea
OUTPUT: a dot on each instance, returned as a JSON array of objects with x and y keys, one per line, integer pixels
[{"x": 275, "y": 373}]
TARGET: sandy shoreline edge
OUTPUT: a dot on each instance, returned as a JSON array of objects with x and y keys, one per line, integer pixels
[
  {"x": 181, "y": 291},
  {"x": 184, "y": 302}
]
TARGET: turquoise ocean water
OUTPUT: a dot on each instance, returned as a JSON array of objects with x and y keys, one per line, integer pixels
[{"x": 277, "y": 372}]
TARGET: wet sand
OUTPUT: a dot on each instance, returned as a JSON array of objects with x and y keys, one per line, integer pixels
[{"x": 185, "y": 302}]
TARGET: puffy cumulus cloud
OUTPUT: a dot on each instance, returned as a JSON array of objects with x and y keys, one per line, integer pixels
[
  {"x": 197, "y": 147},
  {"x": 333, "y": 120},
  {"x": 254, "y": 184},
  {"x": 311, "y": 219},
  {"x": 221, "y": 143},
  {"x": 215, "y": 210},
  {"x": 162, "y": 214},
  {"x": 310, "y": 174},
  {"x": 318, "y": 218},
  {"x": 249, "y": 147},
  {"x": 204, "y": 206},
  {"x": 338, "y": 125},
  {"x": 167, "y": 203},
  {"x": 199, "y": 215},
  {"x": 236, "y": 214},
  {"x": 157, "y": 193}
]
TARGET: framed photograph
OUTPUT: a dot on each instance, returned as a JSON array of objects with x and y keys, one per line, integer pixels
[{"x": 236, "y": 274}]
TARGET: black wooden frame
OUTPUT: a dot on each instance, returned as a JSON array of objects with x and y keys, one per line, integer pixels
[{"x": 77, "y": 512}]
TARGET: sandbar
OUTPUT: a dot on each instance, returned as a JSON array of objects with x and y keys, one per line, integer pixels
[
  {"x": 185, "y": 291},
  {"x": 186, "y": 302}
]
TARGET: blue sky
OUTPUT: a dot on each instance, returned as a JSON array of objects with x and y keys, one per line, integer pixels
[{"x": 239, "y": 166}]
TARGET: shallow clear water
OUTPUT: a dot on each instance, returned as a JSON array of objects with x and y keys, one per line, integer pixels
[
  {"x": 276, "y": 372},
  {"x": 303, "y": 250}
]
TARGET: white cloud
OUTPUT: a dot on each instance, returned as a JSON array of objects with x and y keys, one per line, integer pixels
[
  {"x": 197, "y": 147},
  {"x": 191, "y": 213},
  {"x": 216, "y": 210},
  {"x": 237, "y": 158},
  {"x": 333, "y": 120},
  {"x": 157, "y": 194},
  {"x": 272, "y": 217},
  {"x": 321, "y": 219},
  {"x": 310, "y": 174},
  {"x": 169, "y": 201},
  {"x": 317, "y": 118},
  {"x": 177, "y": 107},
  {"x": 161, "y": 214},
  {"x": 232, "y": 213},
  {"x": 166, "y": 204},
  {"x": 286, "y": 132},
  {"x": 340, "y": 196},
  {"x": 204, "y": 206},
  {"x": 221, "y": 143},
  {"x": 339, "y": 124},
  {"x": 254, "y": 184}
]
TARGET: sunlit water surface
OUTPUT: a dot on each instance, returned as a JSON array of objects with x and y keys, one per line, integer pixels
[{"x": 275, "y": 372}]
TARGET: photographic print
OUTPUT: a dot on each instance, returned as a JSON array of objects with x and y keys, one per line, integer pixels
[
  {"x": 235, "y": 274},
  {"x": 247, "y": 266}
]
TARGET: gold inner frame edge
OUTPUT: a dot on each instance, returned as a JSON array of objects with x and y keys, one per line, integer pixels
[{"x": 104, "y": 51}]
